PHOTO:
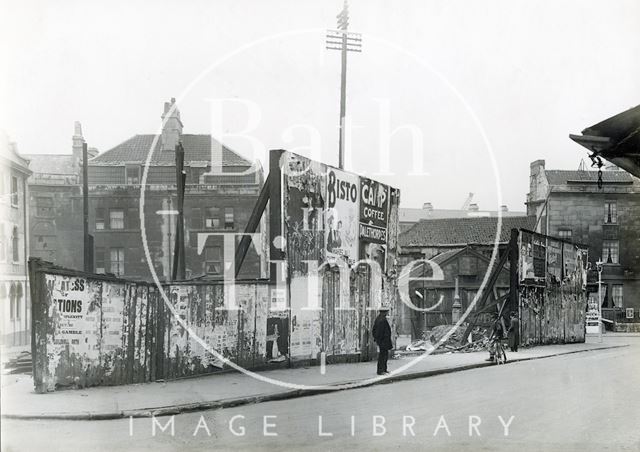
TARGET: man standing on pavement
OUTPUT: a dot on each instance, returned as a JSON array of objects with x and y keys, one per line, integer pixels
[
  {"x": 382, "y": 335},
  {"x": 514, "y": 332}
]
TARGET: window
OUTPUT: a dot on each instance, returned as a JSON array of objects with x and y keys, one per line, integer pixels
[
  {"x": 196, "y": 218},
  {"x": 133, "y": 219},
  {"x": 117, "y": 261},
  {"x": 99, "y": 219},
  {"x": 212, "y": 219},
  {"x": 15, "y": 245},
  {"x": 133, "y": 175},
  {"x": 610, "y": 212},
  {"x": 228, "y": 218},
  {"x": 116, "y": 219},
  {"x": 616, "y": 294},
  {"x": 100, "y": 260},
  {"x": 564, "y": 234},
  {"x": 610, "y": 251},
  {"x": 213, "y": 260},
  {"x": 14, "y": 191}
]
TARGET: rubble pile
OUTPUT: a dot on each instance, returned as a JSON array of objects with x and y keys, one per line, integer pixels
[{"x": 478, "y": 340}]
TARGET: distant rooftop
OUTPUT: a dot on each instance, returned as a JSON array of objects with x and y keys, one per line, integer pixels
[
  {"x": 563, "y": 177},
  {"x": 197, "y": 149},
  {"x": 462, "y": 231}
]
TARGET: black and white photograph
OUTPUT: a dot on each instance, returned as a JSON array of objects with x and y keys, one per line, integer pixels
[{"x": 273, "y": 225}]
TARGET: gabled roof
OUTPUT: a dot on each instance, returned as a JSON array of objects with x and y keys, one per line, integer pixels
[
  {"x": 52, "y": 163},
  {"x": 462, "y": 231},
  {"x": 197, "y": 148},
  {"x": 562, "y": 177}
]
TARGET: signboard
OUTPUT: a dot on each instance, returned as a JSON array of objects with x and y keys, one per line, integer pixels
[
  {"x": 554, "y": 260},
  {"x": 341, "y": 216},
  {"x": 630, "y": 313},
  {"x": 374, "y": 211}
]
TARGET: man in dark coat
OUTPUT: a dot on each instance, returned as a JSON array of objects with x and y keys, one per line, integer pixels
[
  {"x": 514, "y": 332},
  {"x": 382, "y": 335}
]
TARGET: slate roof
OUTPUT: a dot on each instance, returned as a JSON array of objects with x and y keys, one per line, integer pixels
[
  {"x": 197, "y": 148},
  {"x": 562, "y": 177},
  {"x": 51, "y": 163},
  {"x": 462, "y": 231}
]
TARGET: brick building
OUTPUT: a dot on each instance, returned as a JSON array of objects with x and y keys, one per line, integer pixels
[
  {"x": 14, "y": 223},
  {"x": 214, "y": 203},
  {"x": 569, "y": 204}
]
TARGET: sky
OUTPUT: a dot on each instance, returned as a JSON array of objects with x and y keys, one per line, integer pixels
[{"x": 447, "y": 97}]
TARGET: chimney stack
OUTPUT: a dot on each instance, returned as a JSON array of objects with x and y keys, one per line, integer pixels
[
  {"x": 473, "y": 207},
  {"x": 504, "y": 209},
  {"x": 78, "y": 142},
  {"x": 427, "y": 206},
  {"x": 171, "y": 126}
]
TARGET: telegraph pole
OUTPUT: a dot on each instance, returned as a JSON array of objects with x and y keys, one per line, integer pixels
[
  {"x": 87, "y": 239},
  {"x": 343, "y": 41},
  {"x": 178, "y": 271}
]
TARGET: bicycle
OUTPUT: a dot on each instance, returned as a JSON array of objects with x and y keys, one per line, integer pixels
[{"x": 500, "y": 356}]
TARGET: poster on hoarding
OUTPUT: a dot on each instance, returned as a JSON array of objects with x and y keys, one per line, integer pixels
[
  {"x": 341, "y": 216},
  {"x": 526, "y": 256},
  {"x": 554, "y": 260},
  {"x": 76, "y": 312},
  {"x": 374, "y": 211}
]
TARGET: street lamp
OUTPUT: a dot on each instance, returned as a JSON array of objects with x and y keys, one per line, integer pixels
[{"x": 599, "y": 268}]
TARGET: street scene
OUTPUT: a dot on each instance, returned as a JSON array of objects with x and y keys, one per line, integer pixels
[{"x": 355, "y": 224}]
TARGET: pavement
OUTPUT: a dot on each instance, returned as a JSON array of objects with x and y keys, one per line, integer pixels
[{"x": 19, "y": 401}]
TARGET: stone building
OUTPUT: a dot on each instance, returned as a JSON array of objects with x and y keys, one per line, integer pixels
[
  {"x": 219, "y": 198},
  {"x": 462, "y": 249},
  {"x": 14, "y": 223},
  {"x": 56, "y": 205},
  {"x": 570, "y": 205}
]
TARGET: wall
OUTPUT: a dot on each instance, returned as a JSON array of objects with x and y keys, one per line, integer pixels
[
  {"x": 160, "y": 227},
  {"x": 583, "y": 213},
  {"x": 96, "y": 330},
  {"x": 14, "y": 299},
  {"x": 552, "y": 290}
]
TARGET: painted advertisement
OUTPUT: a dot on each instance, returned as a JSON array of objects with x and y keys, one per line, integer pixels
[
  {"x": 341, "y": 216},
  {"x": 554, "y": 261},
  {"x": 374, "y": 211}
]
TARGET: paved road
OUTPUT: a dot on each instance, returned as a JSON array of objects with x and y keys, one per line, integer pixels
[{"x": 585, "y": 401}]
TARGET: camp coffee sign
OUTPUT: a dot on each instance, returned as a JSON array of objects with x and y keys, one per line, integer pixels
[{"x": 374, "y": 211}]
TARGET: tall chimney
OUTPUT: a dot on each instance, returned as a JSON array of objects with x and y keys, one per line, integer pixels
[
  {"x": 78, "y": 142},
  {"x": 171, "y": 126}
]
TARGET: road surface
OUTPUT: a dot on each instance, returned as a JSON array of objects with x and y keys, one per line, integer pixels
[{"x": 583, "y": 401}]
